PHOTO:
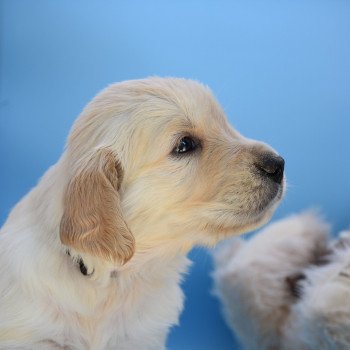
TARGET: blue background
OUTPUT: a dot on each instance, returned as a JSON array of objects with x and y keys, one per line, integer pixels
[{"x": 281, "y": 70}]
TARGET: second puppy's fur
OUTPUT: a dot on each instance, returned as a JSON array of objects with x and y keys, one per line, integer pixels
[
  {"x": 92, "y": 257},
  {"x": 287, "y": 288}
]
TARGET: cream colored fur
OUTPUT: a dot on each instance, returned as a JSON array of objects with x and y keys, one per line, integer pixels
[
  {"x": 123, "y": 202},
  {"x": 252, "y": 282}
]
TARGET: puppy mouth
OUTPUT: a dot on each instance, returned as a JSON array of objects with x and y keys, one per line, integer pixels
[
  {"x": 237, "y": 217},
  {"x": 262, "y": 204},
  {"x": 266, "y": 206},
  {"x": 273, "y": 195}
]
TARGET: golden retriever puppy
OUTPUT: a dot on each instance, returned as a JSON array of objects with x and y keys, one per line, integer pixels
[{"x": 92, "y": 257}]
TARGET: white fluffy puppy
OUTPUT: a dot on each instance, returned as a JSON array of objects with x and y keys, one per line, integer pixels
[
  {"x": 93, "y": 256},
  {"x": 288, "y": 288}
]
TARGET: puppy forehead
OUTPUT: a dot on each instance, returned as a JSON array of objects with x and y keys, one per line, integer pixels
[{"x": 185, "y": 104}]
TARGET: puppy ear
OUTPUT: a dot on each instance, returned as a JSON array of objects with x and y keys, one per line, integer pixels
[{"x": 92, "y": 221}]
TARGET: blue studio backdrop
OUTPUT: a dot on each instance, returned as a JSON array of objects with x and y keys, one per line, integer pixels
[{"x": 281, "y": 70}]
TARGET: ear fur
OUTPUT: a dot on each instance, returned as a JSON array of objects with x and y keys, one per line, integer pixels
[{"x": 92, "y": 221}]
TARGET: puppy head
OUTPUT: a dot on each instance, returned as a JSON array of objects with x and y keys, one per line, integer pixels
[{"x": 187, "y": 175}]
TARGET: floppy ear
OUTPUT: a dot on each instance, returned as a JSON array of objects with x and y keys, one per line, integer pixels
[{"x": 92, "y": 221}]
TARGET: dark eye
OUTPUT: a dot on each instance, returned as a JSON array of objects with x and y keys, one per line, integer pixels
[{"x": 185, "y": 145}]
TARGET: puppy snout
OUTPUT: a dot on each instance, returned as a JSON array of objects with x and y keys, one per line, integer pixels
[{"x": 271, "y": 166}]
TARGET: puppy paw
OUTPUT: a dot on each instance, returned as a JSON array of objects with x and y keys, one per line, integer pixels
[
  {"x": 344, "y": 274},
  {"x": 294, "y": 285},
  {"x": 226, "y": 251},
  {"x": 342, "y": 242}
]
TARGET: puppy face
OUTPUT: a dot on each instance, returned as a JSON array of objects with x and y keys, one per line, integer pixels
[{"x": 185, "y": 176}]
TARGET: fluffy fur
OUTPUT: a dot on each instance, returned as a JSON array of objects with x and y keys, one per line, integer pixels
[
  {"x": 288, "y": 287},
  {"x": 121, "y": 202}
]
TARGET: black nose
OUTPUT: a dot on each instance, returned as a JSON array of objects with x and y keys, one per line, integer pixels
[{"x": 271, "y": 166}]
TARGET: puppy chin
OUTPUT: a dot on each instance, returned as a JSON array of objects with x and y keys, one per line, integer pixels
[
  {"x": 264, "y": 216},
  {"x": 265, "y": 213}
]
